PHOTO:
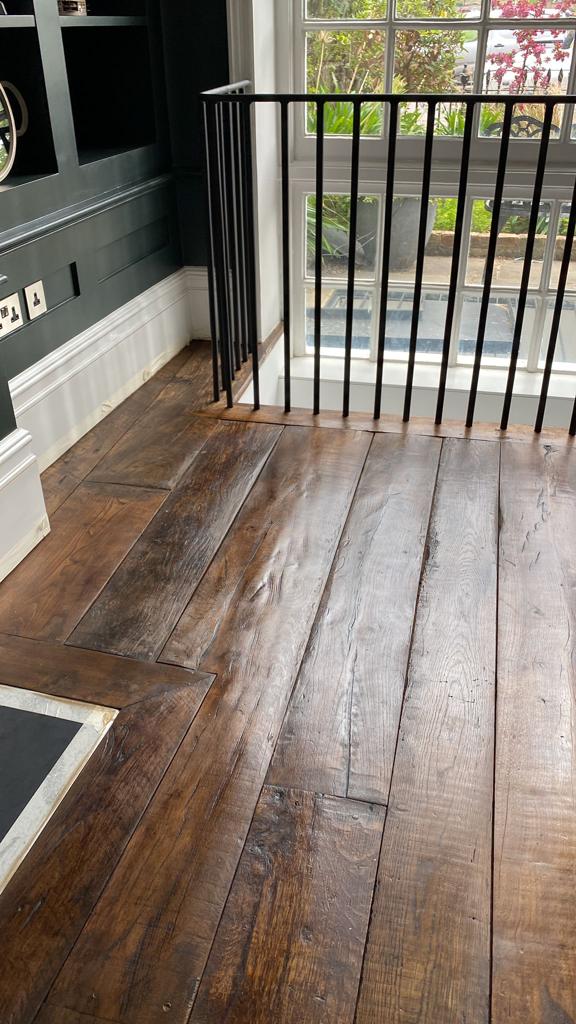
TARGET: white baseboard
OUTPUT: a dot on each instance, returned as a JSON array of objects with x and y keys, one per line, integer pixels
[
  {"x": 22, "y": 510},
  {"x": 65, "y": 394}
]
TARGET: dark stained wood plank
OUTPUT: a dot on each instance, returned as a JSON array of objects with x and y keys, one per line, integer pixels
[
  {"x": 389, "y": 424},
  {"x": 428, "y": 952},
  {"x": 144, "y": 599},
  {"x": 88, "y": 675},
  {"x": 174, "y": 365},
  {"x": 47, "y": 594},
  {"x": 48, "y": 900},
  {"x": 289, "y": 946},
  {"x": 534, "y": 960},
  {"x": 147, "y": 943},
  {"x": 64, "y": 475},
  {"x": 340, "y": 732},
  {"x": 56, "y": 1015},
  {"x": 161, "y": 446}
]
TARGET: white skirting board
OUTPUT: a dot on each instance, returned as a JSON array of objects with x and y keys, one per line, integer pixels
[
  {"x": 22, "y": 510},
  {"x": 65, "y": 394}
]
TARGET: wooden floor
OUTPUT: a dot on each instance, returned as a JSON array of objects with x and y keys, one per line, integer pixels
[{"x": 341, "y": 788}]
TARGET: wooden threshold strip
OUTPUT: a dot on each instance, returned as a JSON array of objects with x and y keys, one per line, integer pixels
[{"x": 387, "y": 424}]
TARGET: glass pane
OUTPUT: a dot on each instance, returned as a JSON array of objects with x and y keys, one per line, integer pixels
[
  {"x": 432, "y": 61},
  {"x": 528, "y": 61},
  {"x": 336, "y": 233},
  {"x": 345, "y": 62},
  {"x": 358, "y": 10},
  {"x": 334, "y": 321},
  {"x": 565, "y": 351},
  {"x": 404, "y": 239},
  {"x": 499, "y": 327},
  {"x": 438, "y": 9},
  {"x": 511, "y": 246},
  {"x": 532, "y": 8},
  {"x": 559, "y": 252},
  {"x": 431, "y": 321}
]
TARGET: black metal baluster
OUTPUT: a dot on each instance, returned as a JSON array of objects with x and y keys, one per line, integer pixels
[
  {"x": 210, "y": 264},
  {"x": 230, "y": 181},
  {"x": 456, "y": 252},
  {"x": 225, "y": 231},
  {"x": 353, "y": 228},
  {"x": 388, "y": 210},
  {"x": 318, "y": 250},
  {"x": 490, "y": 256},
  {"x": 286, "y": 249},
  {"x": 249, "y": 230},
  {"x": 239, "y": 198},
  {"x": 557, "y": 314},
  {"x": 527, "y": 266},
  {"x": 419, "y": 273},
  {"x": 219, "y": 255}
]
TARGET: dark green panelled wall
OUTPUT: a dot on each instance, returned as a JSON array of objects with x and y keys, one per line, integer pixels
[{"x": 110, "y": 202}]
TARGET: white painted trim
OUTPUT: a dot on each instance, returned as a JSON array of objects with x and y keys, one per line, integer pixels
[
  {"x": 65, "y": 394},
  {"x": 22, "y": 509}
]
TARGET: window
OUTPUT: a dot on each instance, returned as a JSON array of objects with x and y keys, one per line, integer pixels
[{"x": 492, "y": 47}]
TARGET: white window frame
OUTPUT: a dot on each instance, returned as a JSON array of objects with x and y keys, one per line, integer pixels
[{"x": 292, "y": 27}]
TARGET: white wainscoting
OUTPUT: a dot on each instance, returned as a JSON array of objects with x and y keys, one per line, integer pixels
[{"x": 22, "y": 510}]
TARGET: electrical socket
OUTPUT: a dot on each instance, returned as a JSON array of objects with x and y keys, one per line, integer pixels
[
  {"x": 10, "y": 314},
  {"x": 35, "y": 300}
]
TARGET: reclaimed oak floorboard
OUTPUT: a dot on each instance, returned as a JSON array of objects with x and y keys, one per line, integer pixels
[
  {"x": 428, "y": 952},
  {"x": 534, "y": 957},
  {"x": 147, "y": 943},
  {"x": 89, "y": 676},
  {"x": 158, "y": 450},
  {"x": 290, "y": 943},
  {"x": 340, "y": 732},
  {"x": 48, "y": 593},
  {"x": 63, "y": 476},
  {"x": 46, "y": 903},
  {"x": 141, "y": 604}
]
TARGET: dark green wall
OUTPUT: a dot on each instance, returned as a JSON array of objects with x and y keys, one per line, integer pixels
[
  {"x": 114, "y": 208},
  {"x": 196, "y": 58}
]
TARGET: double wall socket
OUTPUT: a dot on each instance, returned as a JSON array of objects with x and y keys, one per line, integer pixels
[{"x": 10, "y": 314}]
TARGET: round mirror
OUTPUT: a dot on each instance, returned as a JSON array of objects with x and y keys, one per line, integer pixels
[{"x": 7, "y": 135}]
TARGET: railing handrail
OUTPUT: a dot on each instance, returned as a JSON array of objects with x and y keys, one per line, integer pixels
[{"x": 507, "y": 99}]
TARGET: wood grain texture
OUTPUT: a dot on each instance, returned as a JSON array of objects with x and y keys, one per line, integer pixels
[
  {"x": 88, "y": 675},
  {"x": 148, "y": 941},
  {"x": 141, "y": 604},
  {"x": 49, "y": 592},
  {"x": 48, "y": 900},
  {"x": 174, "y": 365},
  {"x": 340, "y": 732},
  {"x": 56, "y": 1015},
  {"x": 160, "y": 448},
  {"x": 428, "y": 952},
  {"x": 290, "y": 943},
  {"x": 535, "y": 798},
  {"x": 64, "y": 475},
  {"x": 389, "y": 424}
]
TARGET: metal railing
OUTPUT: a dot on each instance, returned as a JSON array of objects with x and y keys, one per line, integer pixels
[{"x": 232, "y": 240}]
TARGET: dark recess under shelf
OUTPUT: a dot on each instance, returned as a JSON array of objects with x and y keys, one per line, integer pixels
[{"x": 110, "y": 82}]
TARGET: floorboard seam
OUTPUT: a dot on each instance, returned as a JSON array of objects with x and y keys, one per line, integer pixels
[
  {"x": 425, "y": 556},
  {"x": 494, "y": 740},
  {"x": 158, "y": 657}
]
